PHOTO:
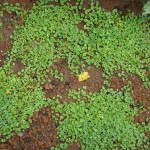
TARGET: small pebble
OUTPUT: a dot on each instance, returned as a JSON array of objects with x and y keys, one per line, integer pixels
[{"x": 20, "y": 134}]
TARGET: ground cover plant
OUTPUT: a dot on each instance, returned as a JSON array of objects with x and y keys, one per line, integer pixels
[
  {"x": 146, "y": 8},
  {"x": 100, "y": 120},
  {"x": 106, "y": 122}
]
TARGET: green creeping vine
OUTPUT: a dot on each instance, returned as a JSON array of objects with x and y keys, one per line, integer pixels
[
  {"x": 19, "y": 98},
  {"x": 108, "y": 40},
  {"x": 56, "y": 74},
  {"x": 80, "y": 93},
  {"x": 15, "y": 8},
  {"x": 105, "y": 123}
]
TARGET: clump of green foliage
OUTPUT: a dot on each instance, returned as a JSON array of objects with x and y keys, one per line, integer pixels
[
  {"x": 106, "y": 122},
  {"x": 146, "y": 8},
  {"x": 15, "y": 8},
  {"x": 108, "y": 40},
  {"x": 57, "y": 74},
  {"x": 19, "y": 98},
  {"x": 78, "y": 94}
]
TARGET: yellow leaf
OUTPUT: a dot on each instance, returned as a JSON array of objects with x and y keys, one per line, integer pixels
[{"x": 83, "y": 76}]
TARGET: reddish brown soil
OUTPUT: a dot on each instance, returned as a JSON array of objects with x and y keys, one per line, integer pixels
[
  {"x": 42, "y": 133},
  {"x": 74, "y": 146},
  {"x": 116, "y": 82},
  {"x": 81, "y": 25},
  {"x": 40, "y": 136},
  {"x": 123, "y": 5},
  {"x": 93, "y": 84},
  {"x": 18, "y": 66},
  {"x": 140, "y": 95},
  {"x": 6, "y": 31},
  {"x": 4, "y": 46}
]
